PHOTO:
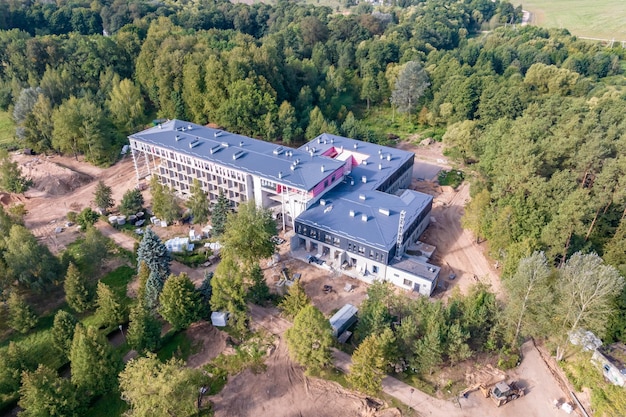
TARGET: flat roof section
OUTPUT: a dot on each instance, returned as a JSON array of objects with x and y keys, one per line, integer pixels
[
  {"x": 365, "y": 216},
  {"x": 291, "y": 167},
  {"x": 375, "y": 162},
  {"x": 414, "y": 267}
]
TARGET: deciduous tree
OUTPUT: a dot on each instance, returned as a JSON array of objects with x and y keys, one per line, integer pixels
[
  {"x": 156, "y": 389},
  {"x": 586, "y": 289},
  {"x": 229, "y": 293},
  {"x": 310, "y": 339},
  {"x": 248, "y": 233},
  {"x": 126, "y": 106},
  {"x": 198, "y": 203},
  {"x": 529, "y": 294},
  {"x": 11, "y": 178}
]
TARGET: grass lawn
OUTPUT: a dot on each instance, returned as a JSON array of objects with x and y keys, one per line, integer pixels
[
  {"x": 7, "y": 129},
  {"x": 595, "y": 19}
]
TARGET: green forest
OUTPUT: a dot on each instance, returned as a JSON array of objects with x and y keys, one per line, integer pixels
[{"x": 534, "y": 118}]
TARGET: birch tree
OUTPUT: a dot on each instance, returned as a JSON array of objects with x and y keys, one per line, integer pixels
[{"x": 586, "y": 290}]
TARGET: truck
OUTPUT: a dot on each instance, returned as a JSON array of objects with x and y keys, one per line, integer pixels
[{"x": 502, "y": 393}]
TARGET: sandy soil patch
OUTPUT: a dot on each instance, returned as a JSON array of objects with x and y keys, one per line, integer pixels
[{"x": 210, "y": 341}]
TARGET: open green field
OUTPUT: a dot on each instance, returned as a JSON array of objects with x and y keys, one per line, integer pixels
[
  {"x": 602, "y": 19},
  {"x": 7, "y": 128}
]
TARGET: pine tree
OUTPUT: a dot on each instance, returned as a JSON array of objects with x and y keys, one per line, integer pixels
[
  {"x": 198, "y": 203},
  {"x": 132, "y": 202},
  {"x": 144, "y": 330},
  {"x": 21, "y": 316},
  {"x": 310, "y": 339},
  {"x": 220, "y": 214},
  {"x": 154, "y": 253},
  {"x": 78, "y": 293},
  {"x": 259, "y": 292},
  {"x": 94, "y": 366},
  {"x": 63, "y": 332},
  {"x": 110, "y": 310},
  {"x": 44, "y": 393},
  {"x": 295, "y": 300},
  {"x": 368, "y": 364},
  {"x": 180, "y": 302},
  {"x": 102, "y": 197}
]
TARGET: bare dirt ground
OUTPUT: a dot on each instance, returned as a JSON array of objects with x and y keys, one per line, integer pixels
[
  {"x": 62, "y": 184},
  {"x": 209, "y": 341},
  {"x": 283, "y": 389}
]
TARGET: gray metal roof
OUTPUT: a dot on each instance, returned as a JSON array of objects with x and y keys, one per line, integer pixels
[
  {"x": 415, "y": 267},
  {"x": 375, "y": 162},
  {"x": 366, "y": 216},
  {"x": 243, "y": 153}
]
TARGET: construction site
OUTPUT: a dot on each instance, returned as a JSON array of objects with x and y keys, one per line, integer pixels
[{"x": 63, "y": 184}]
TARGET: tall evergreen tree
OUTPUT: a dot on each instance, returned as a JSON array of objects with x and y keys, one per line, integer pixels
[
  {"x": 44, "y": 393},
  {"x": 153, "y": 252},
  {"x": 94, "y": 365},
  {"x": 198, "y": 203},
  {"x": 132, "y": 202},
  {"x": 144, "y": 329},
  {"x": 368, "y": 363},
  {"x": 229, "y": 293},
  {"x": 13, "y": 362},
  {"x": 21, "y": 316},
  {"x": 110, "y": 310},
  {"x": 258, "y": 292},
  {"x": 310, "y": 339},
  {"x": 102, "y": 197},
  {"x": 295, "y": 300},
  {"x": 180, "y": 303},
  {"x": 63, "y": 332},
  {"x": 78, "y": 293},
  {"x": 219, "y": 215}
]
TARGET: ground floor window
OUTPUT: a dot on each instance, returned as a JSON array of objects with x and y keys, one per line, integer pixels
[
  {"x": 408, "y": 283},
  {"x": 374, "y": 269}
]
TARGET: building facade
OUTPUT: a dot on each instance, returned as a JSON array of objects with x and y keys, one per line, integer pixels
[{"x": 347, "y": 201}]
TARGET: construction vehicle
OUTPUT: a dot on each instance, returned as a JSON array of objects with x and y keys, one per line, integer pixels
[{"x": 501, "y": 393}]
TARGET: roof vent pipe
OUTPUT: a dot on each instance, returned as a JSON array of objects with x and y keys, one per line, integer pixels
[
  {"x": 241, "y": 144},
  {"x": 380, "y": 166},
  {"x": 352, "y": 213},
  {"x": 362, "y": 197},
  {"x": 280, "y": 174},
  {"x": 356, "y": 145},
  {"x": 322, "y": 168},
  {"x": 364, "y": 217},
  {"x": 388, "y": 157},
  {"x": 364, "y": 179}
]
